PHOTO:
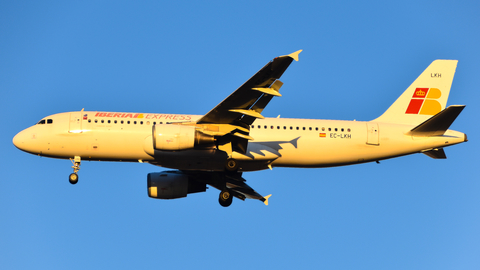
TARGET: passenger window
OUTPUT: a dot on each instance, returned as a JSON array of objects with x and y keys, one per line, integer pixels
[
  {"x": 329, "y": 129},
  {"x": 96, "y": 120},
  {"x": 134, "y": 122},
  {"x": 303, "y": 128},
  {"x": 121, "y": 122},
  {"x": 271, "y": 127},
  {"x": 41, "y": 122},
  {"x": 252, "y": 126},
  {"x": 115, "y": 121},
  {"x": 284, "y": 127},
  {"x": 109, "y": 121},
  {"x": 259, "y": 126},
  {"x": 128, "y": 122},
  {"x": 348, "y": 130},
  {"x": 291, "y": 127},
  {"x": 323, "y": 129},
  {"x": 336, "y": 129},
  {"x": 154, "y": 123},
  {"x": 103, "y": 121},
  {"x": 310, "y": 128},
  {"x": 148, "y": 122},
  {"x": 89, "y": 120},
  {"x": 278, "y": 127},
  {"x": 342, "y": 129},
  {"x": 316, "y": 128},
  {"x": 265, "y": 127}
]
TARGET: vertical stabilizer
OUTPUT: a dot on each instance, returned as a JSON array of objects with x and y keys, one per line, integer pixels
[{"x": 425, "y": 97}]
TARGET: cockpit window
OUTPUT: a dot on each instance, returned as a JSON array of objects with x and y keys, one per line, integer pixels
[{"x": 45, "y": 121}]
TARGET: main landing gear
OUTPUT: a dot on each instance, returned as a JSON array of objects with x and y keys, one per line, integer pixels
[
  {"x": 231, "y": 165},
  {"x": 226, "y": 198},
  {"x": 73, "y": 177}
]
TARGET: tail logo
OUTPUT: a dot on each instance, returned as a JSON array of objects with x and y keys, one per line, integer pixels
[{"x": 424, "y": 101}]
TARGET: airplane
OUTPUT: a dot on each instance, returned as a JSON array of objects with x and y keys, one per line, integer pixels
[{"x": 216, "y": 148}]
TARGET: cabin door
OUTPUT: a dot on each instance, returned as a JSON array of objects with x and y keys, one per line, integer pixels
[
  {"x": 75, "y": 123},
  {"x": 372, "y": 133}
]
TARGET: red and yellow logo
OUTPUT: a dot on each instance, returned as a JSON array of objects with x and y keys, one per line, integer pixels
[{"x": 424, "y": 101}]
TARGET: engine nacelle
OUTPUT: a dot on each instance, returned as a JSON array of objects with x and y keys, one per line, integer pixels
[
  {"x": 172, "y": 185},
  {"x": 170, "y": 137}
]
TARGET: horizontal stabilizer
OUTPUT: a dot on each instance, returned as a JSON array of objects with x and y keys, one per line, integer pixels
[
  {"x": 437, "y": 124},
  {"x": 436, "y": 153}
]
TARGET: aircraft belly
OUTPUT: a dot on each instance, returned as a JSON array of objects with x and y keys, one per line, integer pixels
[{"x": 201, "y": 160}]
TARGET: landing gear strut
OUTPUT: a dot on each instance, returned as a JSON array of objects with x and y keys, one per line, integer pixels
[
  {"x": 73, "y": 177},
  {"x": 225, "y": 198}
]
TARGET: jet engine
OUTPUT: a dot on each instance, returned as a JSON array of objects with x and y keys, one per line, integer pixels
[
  {"x": 172, "y": 185},
  {"x": 170, "y": 137}
]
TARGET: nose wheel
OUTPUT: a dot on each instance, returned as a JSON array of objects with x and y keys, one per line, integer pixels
[{"x": 73, "y": 177}]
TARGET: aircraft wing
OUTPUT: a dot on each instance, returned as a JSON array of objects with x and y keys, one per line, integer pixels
[
  {"x": 249, "y": 100},
  {"x": 234, "y": 182}
]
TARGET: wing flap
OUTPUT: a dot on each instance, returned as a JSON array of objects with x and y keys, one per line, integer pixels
[
  {"x": 237, "y": 184},
  {"x": 251, "y": 113},
  {"x": 234, "y": 182}
]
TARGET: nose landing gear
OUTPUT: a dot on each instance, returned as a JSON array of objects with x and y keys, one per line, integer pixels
[{"x": 73, "y": 177}]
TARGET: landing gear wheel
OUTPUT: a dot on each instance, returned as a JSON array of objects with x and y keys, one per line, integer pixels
[
  {"x": 231, "y": 165},
  {"x": 225, "y": 198},
  {"x": 73, "y": 178}
]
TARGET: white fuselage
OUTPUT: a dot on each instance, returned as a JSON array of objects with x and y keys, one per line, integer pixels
[{"x": 277, "y": 142}]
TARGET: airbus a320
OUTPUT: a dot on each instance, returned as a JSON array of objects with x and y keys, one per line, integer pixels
[{"x": 216, "y": 148}]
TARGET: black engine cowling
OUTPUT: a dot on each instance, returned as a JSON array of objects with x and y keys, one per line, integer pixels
[
  {"x": 172, "y": 185},
  {"x": 171, "y": 137}
]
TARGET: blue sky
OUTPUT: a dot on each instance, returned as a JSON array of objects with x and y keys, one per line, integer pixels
[{"x": 412, "y": 212}]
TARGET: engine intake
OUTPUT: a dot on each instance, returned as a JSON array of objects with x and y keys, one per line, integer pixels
[
  {"x": 170, "y": 137},
  {"x": 172, "y": 185}
]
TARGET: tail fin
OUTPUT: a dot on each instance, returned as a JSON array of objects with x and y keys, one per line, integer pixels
[{"x": 425, "y": 97}]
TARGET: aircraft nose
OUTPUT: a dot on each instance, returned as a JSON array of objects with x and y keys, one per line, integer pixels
[
  {"x": 23, "y": 141},
  {"x": 19, "y": 140}
]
